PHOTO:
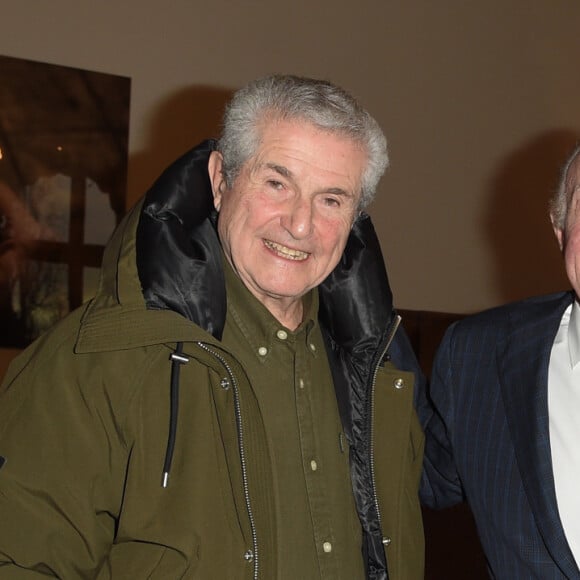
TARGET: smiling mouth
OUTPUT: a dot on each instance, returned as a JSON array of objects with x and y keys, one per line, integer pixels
[{"x": 285, "y": 252}]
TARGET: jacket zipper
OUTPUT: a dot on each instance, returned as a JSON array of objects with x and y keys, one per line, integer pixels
[
  {"x": 390, "y": 336},
  {"x": 254, "y": 555}
]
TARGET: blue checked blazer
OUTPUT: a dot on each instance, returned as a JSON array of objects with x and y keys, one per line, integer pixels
[{"x": 488, "y": 441}]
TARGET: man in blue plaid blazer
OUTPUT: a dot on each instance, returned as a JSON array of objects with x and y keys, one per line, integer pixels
[{"x": 506, "y": 435}]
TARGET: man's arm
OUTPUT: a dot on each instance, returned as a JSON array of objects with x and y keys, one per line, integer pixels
[
  {"x": 440, "y": 483},
  {"x": 62, "y": 459}
]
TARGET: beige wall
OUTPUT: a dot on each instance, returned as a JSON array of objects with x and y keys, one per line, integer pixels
[{"x": 479, "y": 101}]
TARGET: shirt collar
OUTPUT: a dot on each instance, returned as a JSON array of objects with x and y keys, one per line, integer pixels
[
  {"x": 255, "y": 321},
  {"x": 574, "y": 334}
]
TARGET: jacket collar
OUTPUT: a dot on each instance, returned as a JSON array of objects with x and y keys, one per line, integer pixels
[{"x": 161, "y": 269}]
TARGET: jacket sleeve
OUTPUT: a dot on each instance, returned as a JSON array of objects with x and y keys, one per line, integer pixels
[
  {"x": 440, "y": 483},
  {"x": 63, "y": 457}
]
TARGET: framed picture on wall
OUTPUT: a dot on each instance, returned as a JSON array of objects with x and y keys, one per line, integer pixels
[{"x": 63, "y": 173}]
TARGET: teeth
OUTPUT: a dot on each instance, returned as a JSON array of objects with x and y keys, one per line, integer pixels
[{"x": 285, "y": 252}]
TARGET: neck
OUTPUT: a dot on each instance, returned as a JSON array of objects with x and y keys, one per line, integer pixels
[{"x": 288, "y": 315}]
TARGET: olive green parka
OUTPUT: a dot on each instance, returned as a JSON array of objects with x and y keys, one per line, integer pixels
[{"x": 132, "y": 444}]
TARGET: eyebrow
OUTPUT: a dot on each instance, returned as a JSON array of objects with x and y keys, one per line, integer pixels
[
  {"x": 285, "y": 172},
  {"x": 280, "y": 169}
]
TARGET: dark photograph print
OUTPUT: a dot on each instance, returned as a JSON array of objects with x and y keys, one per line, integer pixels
[{"x": 63, "y": 172}]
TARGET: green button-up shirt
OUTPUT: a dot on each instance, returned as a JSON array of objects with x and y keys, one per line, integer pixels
[{"x": 319, "y": 534}]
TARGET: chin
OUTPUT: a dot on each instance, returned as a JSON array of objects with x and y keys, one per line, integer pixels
[{"x": 286, "y": 291}]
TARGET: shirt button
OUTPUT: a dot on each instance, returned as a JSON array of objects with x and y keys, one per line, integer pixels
[
  {"x": 313, "y": 465},
  {"x": 301, "y": 383},
  {"x": 327, "y": 547},
  {"x": 262, "y": 351},
  {"x": 282, "y": 334},
  {"x": 312, "y": 347}
]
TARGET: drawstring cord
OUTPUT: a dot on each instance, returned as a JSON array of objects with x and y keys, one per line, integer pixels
[{"x": 177, "y": 359}]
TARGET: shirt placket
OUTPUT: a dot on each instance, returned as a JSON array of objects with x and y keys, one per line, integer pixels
[{"x": 312, "y": 463}]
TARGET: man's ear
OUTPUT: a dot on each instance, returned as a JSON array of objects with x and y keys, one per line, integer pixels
[
  {"x": 216, "y": 177},
  {"x": 558, "y": 232}
]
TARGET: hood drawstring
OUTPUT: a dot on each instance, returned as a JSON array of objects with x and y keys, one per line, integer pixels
[{"x": 177, "y": 359}]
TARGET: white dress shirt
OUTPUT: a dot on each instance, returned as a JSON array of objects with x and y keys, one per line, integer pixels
[{"x": 564, "y": 417}]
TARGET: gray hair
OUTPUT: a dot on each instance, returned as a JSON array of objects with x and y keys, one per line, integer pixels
[
  {"x": 560, "y": 200},
  {"x": 287, "y": 97}
]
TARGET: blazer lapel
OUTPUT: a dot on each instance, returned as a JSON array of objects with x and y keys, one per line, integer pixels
[{"x": 523, "y": 372}]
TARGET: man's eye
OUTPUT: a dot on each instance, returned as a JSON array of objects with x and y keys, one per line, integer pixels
[
  {"x": 275, "y": 184},
  {"x": 331, "y": 202}
]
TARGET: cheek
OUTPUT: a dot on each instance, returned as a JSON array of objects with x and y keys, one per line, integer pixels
[
  {"x": 231, "y": 217},
  {"x": 335, "y": 241},
  {"x": 572, "y": 256},
  {"x": 572, "y": 250},
  {"x": 572, "y": 238}
]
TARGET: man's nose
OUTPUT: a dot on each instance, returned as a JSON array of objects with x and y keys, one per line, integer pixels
[{"x": 298, "y": 217}]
